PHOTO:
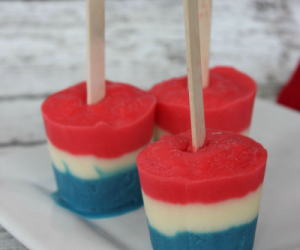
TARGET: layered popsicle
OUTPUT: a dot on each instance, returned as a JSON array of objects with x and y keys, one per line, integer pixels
[
  {"x": 93, "y": 148},
  {"x": 228, "y": 103},
  {"x": 204, "y": 200}
]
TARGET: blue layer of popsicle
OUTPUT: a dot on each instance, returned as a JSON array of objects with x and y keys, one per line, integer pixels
[
  {"x": 101, "y": 198},
  {"x": 235, "y": 238}
]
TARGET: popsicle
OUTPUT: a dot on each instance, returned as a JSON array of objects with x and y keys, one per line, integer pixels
[
  {"x": 201, "y": 188},
  {"x": 204, "y": 200},
  {"x": 228, "y": 103},
  {"x": 94, "y": 147}
]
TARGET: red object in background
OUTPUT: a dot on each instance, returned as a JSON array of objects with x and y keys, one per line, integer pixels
[{"x": 290, "y": 94}]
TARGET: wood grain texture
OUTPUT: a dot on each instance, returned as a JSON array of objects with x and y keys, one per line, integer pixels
[
  {"x": 21, "y": 122},
  {"x": 8, "y": 242},
  {"x": 43, "y": 43},
  {"x": 95, "y": 50},
  {"x": 195, "y": 72},
  {"x": 204, "y": 9},
  {"x": 43, "y": 49}
]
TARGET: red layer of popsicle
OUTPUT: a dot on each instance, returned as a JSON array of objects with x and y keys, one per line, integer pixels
[
  {"x": 228, "y": 102},
  {"x": 230, "y": 165},
  {"x": 120, "y": 123}
]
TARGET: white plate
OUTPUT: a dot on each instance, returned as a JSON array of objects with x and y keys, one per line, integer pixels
[{"x": 27, "y": 212}]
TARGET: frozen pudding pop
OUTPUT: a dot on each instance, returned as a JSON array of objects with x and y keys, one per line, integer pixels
[
  {"x": 228, "y": 93},
  {"x": 93, "y": 148},
  {"x": 228, "y": 103},
  {"x": 201, "y": 188},
  {"x": 204, "y": 200},
  {"x": 95, "y": 131}
]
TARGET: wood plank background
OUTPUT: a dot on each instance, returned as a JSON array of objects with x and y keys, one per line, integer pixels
[
  {"x": 42, "y": 50},
  {"x": 7, "y": 242}
]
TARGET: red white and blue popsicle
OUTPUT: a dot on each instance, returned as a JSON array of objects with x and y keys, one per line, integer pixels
[
  {"x": 228, "y": 103},
  {"x": 201, "y": 188},
  {"x": 205, "y": 200},
  {"x": 93, "y": 148}
]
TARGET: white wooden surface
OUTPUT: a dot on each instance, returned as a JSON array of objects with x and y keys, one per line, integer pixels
[
  {"x": 43, "y": 43},
  {"x": 7, "y": 242},
  {"x": 42, "y": 50}
]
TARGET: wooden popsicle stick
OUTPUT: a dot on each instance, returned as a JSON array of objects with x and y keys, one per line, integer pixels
[
  {"x": 194, "y": 72},
  {"x": 95, "y": 51},
  {"x": 204, "y": 9}
]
